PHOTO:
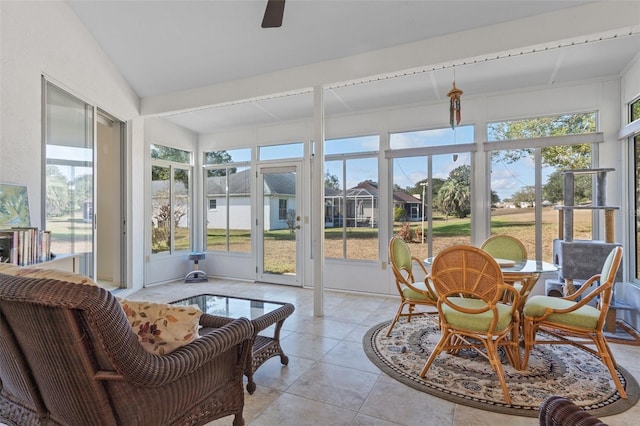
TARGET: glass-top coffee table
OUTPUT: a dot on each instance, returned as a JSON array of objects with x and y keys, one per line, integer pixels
[{"x": 262, "y": 313}]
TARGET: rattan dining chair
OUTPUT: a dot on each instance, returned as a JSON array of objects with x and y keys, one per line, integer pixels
[
  {"x": 574, "y": 317},
  {"x": 412, "y": 293},
  {"x": 504, "y": 246},
  {"x": 470, "y": 288}
]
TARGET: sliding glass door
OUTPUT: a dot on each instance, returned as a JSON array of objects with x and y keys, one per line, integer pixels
[{"x": 69, "y": 175}]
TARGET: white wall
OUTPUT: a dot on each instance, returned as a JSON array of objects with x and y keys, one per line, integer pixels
[{"x": 46, "y": 38}]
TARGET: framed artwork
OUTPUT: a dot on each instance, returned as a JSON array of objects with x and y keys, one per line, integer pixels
[{"x": 14, "y": 206}]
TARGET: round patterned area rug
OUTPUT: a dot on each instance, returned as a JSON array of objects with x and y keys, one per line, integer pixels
[{"x": 468, "y": 379}]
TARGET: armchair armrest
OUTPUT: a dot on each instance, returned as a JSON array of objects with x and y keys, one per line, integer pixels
[
  {"x": 139, "y": 367},
  {"x": 583, "y": 288}
]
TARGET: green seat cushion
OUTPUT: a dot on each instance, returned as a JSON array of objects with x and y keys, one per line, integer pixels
[
  {"x": 414, "y": 295},
  {"x": 476, "y": 322},
  {"x": 584, "y": 317}
]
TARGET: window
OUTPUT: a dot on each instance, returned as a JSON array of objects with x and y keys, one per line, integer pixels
[
  {"x": 279, "y": 152},
  {"x": 515, "y": 169},
  {"x": 227, "y": 184},
  {"x": 170, "y": 199},
  {"x": 432, "y": 189},
  {"x": 351, "y": 198},
  {"x": 282, "y": 209}
]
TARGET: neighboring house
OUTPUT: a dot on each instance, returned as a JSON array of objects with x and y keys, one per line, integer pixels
[
  {"x": 279, "y": 190},
  {"x": 411, "y": 205},
  {"x": 361, "y": 209},
  {"x": 362, "y": 203}
]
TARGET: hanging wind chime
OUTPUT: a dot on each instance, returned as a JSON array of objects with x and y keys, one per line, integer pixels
[{"x": 454, "y": 109}]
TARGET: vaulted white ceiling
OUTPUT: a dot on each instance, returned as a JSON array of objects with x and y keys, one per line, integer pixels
[{"x": 166, "y": 47}]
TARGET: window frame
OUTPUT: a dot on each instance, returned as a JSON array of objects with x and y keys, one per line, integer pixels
[{"x": 173, "y": 166}]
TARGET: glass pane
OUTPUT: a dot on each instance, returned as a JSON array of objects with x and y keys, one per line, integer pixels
[
  {"x": 228, "y": 192},
  {"x": 635, "y": 110},
  {"x": 567, "y": 124},
  {"x": 161, "y": 209},
  {"x": 513, "y": 200},
  {"x": 159, "y": 152},
  {"x": 227, "y": 156},
  {"x": 351, "y": 145},
  {"x": 434, "y": 137},
  {"x": 277, "y": 152},
  {"x": 513, "y": 195},
  {"x": 351, "y": 207},
  {"x": 69, "y": 209},
  {"x": 410, "y": 188},
  {"x": 451, "y": 192},
  {"x": 69, "y": 176},
  {"x": 181, "y": 210},
  {"x": 280, "y": 223},
  {"x": 334, "y": 213},
  {"x": 362, "y": 209}
]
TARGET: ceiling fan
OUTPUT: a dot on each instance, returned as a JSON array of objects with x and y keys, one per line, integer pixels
[{"x": 273, "y": 14}]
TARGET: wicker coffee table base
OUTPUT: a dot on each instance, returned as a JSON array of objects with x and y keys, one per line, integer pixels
[{"x": 263, "y": 349}]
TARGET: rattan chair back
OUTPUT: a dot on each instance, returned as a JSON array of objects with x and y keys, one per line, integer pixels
[
  {"x": 401, "y": 262},
  {"x": 504, "y": 246},
  {"x": 410, "y": 292},
  {"x": 466, "y": 271}
]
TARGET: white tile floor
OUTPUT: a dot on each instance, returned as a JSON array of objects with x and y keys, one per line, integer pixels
[{"x": 329, "y": 379}]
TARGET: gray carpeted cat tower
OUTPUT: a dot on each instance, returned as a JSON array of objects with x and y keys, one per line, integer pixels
[{"x": 581, "y": 259}]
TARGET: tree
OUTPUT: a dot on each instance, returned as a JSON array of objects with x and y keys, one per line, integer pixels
[
  {"x": 331, "y": 181},
  {"x": 436, "y": 184},
  {"x": 553, "y": 190},
  {"x": 495, "y": 198},
  {"x": 57, "y": 193},
  {"x": 454, "y": 197},
  {"x": 399, "y": 214},
  {"x": 526, "y": 195},
  {"x": 219, "y": 157},
  {"x": 83, "y": 187},
  {"x": 635, "y": 111}
]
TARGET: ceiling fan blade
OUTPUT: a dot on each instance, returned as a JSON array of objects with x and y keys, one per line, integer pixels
[{"x": 273, "y": 14}]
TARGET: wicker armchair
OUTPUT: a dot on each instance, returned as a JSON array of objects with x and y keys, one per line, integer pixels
[
  {"x": 560, "y": 411},
  {"x": 68, "y": 356}
]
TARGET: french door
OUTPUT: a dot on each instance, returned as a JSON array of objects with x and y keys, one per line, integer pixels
[{"x": 279, "y": 210}]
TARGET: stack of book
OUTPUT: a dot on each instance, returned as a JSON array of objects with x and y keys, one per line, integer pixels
[{"x": 24, "y": 246}]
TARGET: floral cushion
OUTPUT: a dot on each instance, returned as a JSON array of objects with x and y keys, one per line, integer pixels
[{"x": 162, "y": 328}]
